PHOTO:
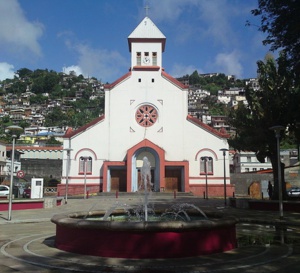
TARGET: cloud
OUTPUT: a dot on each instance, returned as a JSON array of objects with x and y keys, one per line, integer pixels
[
  {"x": 73, "y": 68},
  {"x": 6, "y": 71},
  {"x": 179, "y": 70},
  {"x": 17, "y": 33},
  {"x": 103, "y": 64},
  {"x": 229, "y": 63}
]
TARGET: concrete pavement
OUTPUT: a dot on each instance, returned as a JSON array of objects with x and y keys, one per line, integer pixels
[{"x": 27, "y": 241}]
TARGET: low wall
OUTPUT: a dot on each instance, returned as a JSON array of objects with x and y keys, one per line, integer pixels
[
  {"x": 216, "y": 190},
  {"x": 24, "y": 204},
  {"x": 264, "y": 205},
  {"x": 77, "y": 189}
]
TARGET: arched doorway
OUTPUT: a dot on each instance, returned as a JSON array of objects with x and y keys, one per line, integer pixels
[{"x": 137, "y": 163}]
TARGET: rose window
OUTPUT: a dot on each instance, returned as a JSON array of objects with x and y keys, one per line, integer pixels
[{"x": 146, "y": 115}]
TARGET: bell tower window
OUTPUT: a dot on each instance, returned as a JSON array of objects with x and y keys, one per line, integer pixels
[
  {"x": 154, "y": 58},
  {"x": 138, "y": 58}
]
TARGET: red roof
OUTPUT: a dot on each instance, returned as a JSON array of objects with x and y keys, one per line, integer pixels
[
  {"x": 173, "y": 80},
  {"x": 112, "y": 85},
  {"x": 40, "y": 148},
  {"x": 207, "y": 127},
  {"x": 70, "y": 134}
]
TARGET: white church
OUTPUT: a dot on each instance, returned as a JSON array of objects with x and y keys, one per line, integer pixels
[{"x": 146, "y": 114}]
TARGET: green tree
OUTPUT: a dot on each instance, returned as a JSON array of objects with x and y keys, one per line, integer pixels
[
  {"x": 24, "y": 72},
  {"x": 280, "y": 20},
  {"x": 267, "y": 107},
  {"x": 194, "y": 78}
]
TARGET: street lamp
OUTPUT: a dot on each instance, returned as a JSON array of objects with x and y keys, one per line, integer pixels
[
  {"x": 224, "y": 150},
  {"x": 13, "y": 129},
  {"x": 85, "y": 158},
  {"x": 205, "y": 158},
  {"x": 277, "y": 129},
  {"x": 68, "y": 150}
]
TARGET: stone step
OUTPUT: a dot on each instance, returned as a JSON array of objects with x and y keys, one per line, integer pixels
[{"x": 138, "y": 194}]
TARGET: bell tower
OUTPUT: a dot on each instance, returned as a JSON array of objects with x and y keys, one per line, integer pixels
[{"x": 146, "y": 44}]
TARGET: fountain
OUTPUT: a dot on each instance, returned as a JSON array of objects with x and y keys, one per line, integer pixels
[{"x": 159, "y": 239}]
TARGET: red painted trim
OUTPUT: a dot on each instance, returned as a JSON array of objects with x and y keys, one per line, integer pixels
[
  {"x": 146, "y": 68},
  {"x": 206, "y": 127},
  {"x": 106, "y": 165},
  {"x": 22, "y": 205},
  {"x": 161, "y": 158},
  {"x": 86, "y": 149},
  {"x": 121, "y": 79},
  {"x": 28, "y": 148},
  {"x": 83, "y": 128},
  {"x": 206, "y": 150},
  {"x": 144, "y": 143},
  {"x": 173, "y": 80},
  {"x": 143, "y": 243}
]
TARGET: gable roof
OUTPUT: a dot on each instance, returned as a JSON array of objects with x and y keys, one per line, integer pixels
[
  {"x": 147, "y": 30},
  {"x": 173, "y": 80},
  {"x": 116, "y": 82},
  {"x": 207, "y": 127},
  {"x": 83, "y": 128}
]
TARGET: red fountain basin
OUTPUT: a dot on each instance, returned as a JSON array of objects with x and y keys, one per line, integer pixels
[{"x": 143, "y": 240}]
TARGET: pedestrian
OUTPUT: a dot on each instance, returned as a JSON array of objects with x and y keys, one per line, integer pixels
[{"x": 270, "y": 190}]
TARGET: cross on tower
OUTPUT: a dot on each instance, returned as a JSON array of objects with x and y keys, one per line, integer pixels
[{"x": 147, "y": 10}]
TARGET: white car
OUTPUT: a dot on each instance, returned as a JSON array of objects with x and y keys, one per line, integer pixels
[{"x": 4, "y": 190}]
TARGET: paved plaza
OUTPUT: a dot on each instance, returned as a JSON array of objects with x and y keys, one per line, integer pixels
[{"x": 27, "y": 241}]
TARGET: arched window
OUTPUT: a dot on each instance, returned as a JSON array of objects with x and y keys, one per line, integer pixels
[
  {"x": 85, "y": 165},
  {"x": 206, "y": 165}
]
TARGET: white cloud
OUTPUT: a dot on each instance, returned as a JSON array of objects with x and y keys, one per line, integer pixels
[
  {"x": 229, "y": 63},
  {"x": 17, "y": 33},
  {"x": 73, "y": 68},
  {"x": 6, "y": 71},
  {"x": 100, "y": 63},
  {"x": 179, "y": 70}
]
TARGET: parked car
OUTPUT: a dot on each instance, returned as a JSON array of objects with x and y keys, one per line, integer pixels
[
  {"x": 27, "y": 193},
  {"x": 294, "y": 192},
  {"x": 4, "y": 190}
]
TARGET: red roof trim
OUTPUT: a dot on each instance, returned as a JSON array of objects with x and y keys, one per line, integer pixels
[
  {"x": 146, "y": 68},
  {"x": 70, "y": 134},
  {"x": 206, "y": 127},
  {"x": 112, "y": 85},
  {"x": 28, "y": 148},
  {"x": 173, "y": 80}
]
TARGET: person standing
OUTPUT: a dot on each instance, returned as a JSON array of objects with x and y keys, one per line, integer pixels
[{"x": 270, "y": 190}]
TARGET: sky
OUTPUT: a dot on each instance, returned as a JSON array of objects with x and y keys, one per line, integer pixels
[{"x": 90, "y": 36}]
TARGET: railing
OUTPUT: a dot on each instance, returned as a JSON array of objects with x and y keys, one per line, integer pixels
[{"x": 48, "y": 191}]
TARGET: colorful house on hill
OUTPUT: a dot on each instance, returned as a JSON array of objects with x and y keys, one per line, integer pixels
[{"x": 146, "y": 114}]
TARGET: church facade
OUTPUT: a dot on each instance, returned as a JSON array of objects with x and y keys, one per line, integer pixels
[{"x": 146, "y": 115}]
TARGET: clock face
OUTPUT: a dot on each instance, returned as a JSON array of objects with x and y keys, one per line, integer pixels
[
  {"x": 146, "y": 115},
  {"x": 146, "y": 60}
]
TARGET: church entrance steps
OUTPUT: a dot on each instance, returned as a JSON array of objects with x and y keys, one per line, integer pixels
[{"x": 139, "y": 194}]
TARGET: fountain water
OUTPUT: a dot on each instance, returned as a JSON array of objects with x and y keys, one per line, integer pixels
[
  {"x": 144, "y": 239},
  {"x": 146, "y": 182}
]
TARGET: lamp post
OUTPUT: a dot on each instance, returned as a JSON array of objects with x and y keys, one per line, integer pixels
[
  {"x": 85, "y": 158},
  {"x": 68, "y": 150},
  {"x": 224, "y": 150},
  {"x": 277, "y": 129},
  {"x": 205, "y": 158},
  {"x": 13, "y": 129}
]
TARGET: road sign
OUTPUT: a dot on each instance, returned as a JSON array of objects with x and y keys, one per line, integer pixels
[{"x": 20, "y": 174}]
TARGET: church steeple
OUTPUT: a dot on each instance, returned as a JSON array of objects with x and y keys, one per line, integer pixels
[{"x": 146, "y": 44}]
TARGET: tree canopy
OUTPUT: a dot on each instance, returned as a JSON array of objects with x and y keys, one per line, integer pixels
[
  {"x": 273, "y": 104},
  {"x": 281, "y": 21}
]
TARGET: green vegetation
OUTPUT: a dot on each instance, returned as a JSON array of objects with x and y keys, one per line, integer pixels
[{"x": 42, "y": 86}]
